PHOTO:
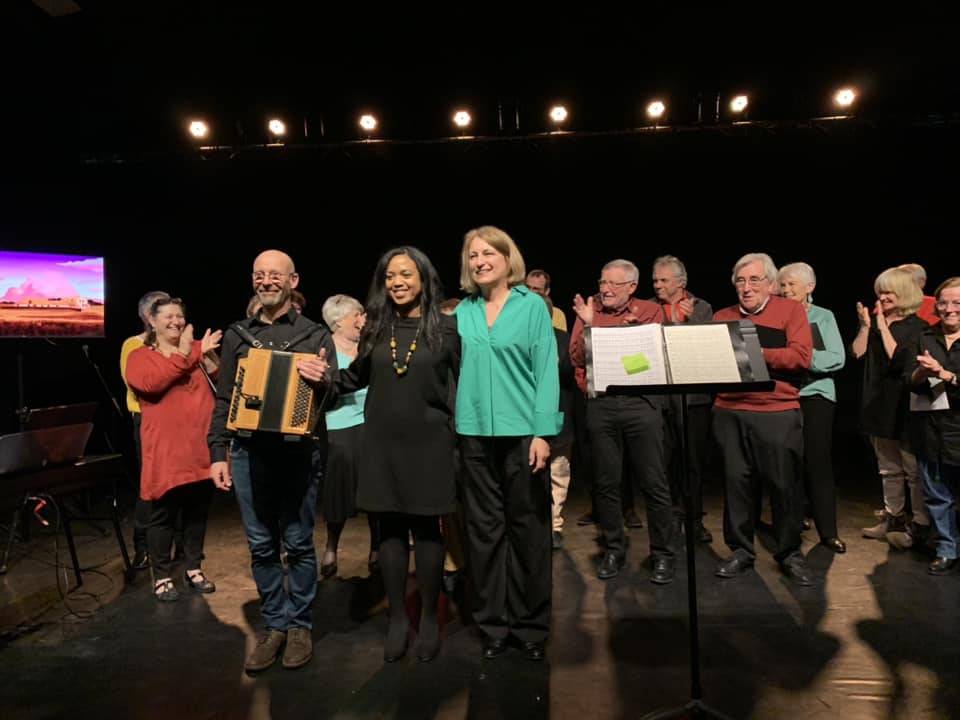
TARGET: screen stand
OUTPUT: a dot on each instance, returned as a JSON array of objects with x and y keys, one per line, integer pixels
[{"x": 22, "y": 410}]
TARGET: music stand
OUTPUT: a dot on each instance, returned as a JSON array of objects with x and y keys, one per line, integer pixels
[
  {"x": 754, "y": 378},
  {"x": 59, "y": 416}
]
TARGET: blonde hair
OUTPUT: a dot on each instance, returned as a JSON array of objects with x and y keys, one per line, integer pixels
[
  {"x": 503, "y": 244},
  {"x": 901, "y": 283}
]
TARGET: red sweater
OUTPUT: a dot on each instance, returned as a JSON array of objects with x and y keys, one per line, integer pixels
[
  {"x": 176, "y": 405},
  {"x": 928, "y": 310},
  {"x": 789, "y": 317},
  {"x": 635, "y": 312}
]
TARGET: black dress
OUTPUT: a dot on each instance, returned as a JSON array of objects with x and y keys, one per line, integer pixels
[
  {"x": 885, "y": 398},
  {"x": 407, "y": 462}
]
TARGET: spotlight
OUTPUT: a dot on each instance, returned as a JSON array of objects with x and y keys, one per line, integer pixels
[
  {"x": 462, "y": 119},
  {"x": 368, "y": 123},
  {"x": 558, "y": 114},
  {"x": 739, "y": 104},
  {"x": 198, "y": 129},
  {"x": 844, "y": 97},
  {"x": 277, "y": 127},
  {"x": 656, "y": 109}
]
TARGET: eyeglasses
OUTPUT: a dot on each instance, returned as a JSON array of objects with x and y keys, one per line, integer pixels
[
  {"x": 753, "y": 282},
  {"x": 944, "y": 304},
  {"x": 259, "y": 276},
  {"x": 603, "y": 283}
]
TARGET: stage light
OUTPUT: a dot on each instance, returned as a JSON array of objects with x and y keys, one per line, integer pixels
[
  {"x": 277, "y": 127},
  {"x": 656, "y": 109},
  {"x": 368, "y": 123},
  {"x": 558, "y": 114},
  {"x": 462, "y": 119},
  {"x": 739, "y": 103},
  {"x": 844, "y": 97},
  {"x": 198, "y": 129}
]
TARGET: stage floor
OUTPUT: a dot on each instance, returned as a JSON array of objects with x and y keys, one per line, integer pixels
[{"x": 875, "y": 637}]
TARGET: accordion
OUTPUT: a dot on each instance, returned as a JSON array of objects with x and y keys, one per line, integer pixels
[{"x": 270, "y": 396}]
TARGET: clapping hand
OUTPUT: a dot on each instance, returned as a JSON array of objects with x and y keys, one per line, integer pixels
[
  {"x": 584, "y": 310},
  {"x": 863, "y": 314},
  {"x": 881, "y": 318},
  {"x": 930, "y": 366},
  {"x": 210, "y": 341},
  {"x": 186, "y": 340}
]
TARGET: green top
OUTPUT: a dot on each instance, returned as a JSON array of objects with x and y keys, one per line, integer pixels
[
  {"x": 826, "y": 361},
  {"x": 348, "y": 410},
  {"x": 509, "y": 377}
]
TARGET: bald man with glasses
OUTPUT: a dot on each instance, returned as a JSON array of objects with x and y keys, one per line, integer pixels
[{"x": 272, "y": 475}]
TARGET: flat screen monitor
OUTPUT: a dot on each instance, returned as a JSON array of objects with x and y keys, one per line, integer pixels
[{"x": 48, "y": 295}]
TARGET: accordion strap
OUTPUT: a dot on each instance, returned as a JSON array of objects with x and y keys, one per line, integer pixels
[{"x": 251, "y": 339}]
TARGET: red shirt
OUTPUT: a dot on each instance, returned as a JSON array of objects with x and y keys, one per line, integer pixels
[
  {"x": 635, "y": 312},
  {"x": 928, "y": 310},
  {"x": 176, "y": 403},
  {"x": 796, "y": 354}
]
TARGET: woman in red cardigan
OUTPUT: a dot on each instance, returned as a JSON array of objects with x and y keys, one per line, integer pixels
[{"x": 170, "y": 374}]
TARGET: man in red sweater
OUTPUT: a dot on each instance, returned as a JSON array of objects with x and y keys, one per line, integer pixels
[
  {"x": 760, "y": 434},
  {"x": 624, "y": 426}
]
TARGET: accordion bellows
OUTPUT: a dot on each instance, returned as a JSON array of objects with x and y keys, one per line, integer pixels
[{"x": 270, "y": 396}]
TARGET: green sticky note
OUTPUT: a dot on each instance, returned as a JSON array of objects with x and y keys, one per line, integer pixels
[{"x": 634, "y": 364}]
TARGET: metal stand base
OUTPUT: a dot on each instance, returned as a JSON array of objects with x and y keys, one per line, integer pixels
[{"x": 693, "y": 709}]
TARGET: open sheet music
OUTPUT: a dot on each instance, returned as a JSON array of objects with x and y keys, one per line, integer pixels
[
  {"x": 626, "y": 355},
  {"x": 637, "y": 355}
]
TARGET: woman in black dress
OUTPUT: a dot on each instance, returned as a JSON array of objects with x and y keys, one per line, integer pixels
[
  {"x": 408, "y": 355},
  {"x": 884, "y": 342}
]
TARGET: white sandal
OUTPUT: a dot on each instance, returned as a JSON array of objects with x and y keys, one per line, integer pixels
[{"x": 165, "y": 591}]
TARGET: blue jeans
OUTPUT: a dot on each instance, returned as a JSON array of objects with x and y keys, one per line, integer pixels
[
  {"x": 277, "y": 492},
  {"x": 941, "y": 485}
]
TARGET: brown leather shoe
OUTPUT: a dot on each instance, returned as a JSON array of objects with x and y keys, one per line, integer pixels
[
  {"x": 266, "y": 652},
  {"x": 299, "y": 649},
  {"x": 942, "y": 566}
]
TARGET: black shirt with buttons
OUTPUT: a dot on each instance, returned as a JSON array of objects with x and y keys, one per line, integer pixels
[{"x": 273, "y": 336}]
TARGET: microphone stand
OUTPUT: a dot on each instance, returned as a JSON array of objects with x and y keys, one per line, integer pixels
[
  {"x": 20, "y": 517},
  {"x": 22, "y": 411},
  {"x": 117, "y": 413},
  {"x": 106, "y": 389}
]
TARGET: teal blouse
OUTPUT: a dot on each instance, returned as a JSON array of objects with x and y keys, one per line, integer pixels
[
  {"x": 348, "y": 411},
  {"x": 828, "y": 360},
  {"x": 509, "y": 378}
]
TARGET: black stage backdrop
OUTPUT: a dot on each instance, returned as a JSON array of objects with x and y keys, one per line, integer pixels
[{"x": 849, "y": 198}]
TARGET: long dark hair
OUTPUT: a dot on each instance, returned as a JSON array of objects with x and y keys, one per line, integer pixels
[{"x": 379, "y": 307}]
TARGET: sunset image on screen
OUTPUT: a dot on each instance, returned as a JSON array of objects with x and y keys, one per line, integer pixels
[{"x": 45, "y": 295}]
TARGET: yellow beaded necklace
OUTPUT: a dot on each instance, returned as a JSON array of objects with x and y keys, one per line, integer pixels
[{"x": 402, "y": 370}]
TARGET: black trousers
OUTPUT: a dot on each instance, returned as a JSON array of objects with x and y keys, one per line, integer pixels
[
  {"x": 508, "y": 521},
  {"x": 141, "y": 510},
  {"x": 818, "y": 483},
  {"x": 192, "y": 503},
  {"x": 760, "y": 450},
  {"x": 698, "y": 441},
  {"x": 630, "y": 427}
]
